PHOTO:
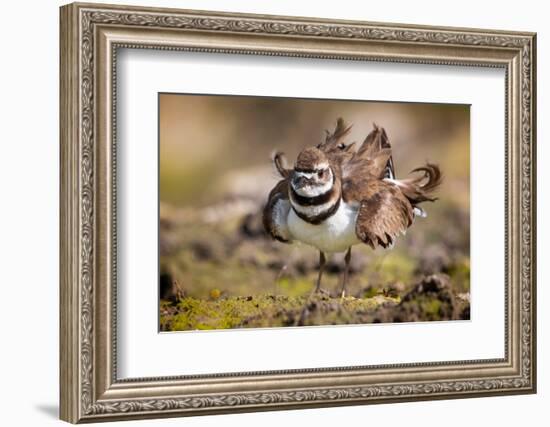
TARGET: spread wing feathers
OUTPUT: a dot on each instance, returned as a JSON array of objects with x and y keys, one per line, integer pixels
[
  {"x": 375, "y": 141},
  {"x": 420, "y": 188},
  {"x": 275, "y": 212},
  {"x": 373, "y": 159},
  {"x": 335, "y": 138},
  {"x": 384, "y": 214},
  {"x": 334, "y": 146},
  {"x": 279, "y": 161}
]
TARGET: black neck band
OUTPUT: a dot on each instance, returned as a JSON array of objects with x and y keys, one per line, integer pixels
[
  {"x": 312, "y": 201},
  {"x": 317, "y": 219}
]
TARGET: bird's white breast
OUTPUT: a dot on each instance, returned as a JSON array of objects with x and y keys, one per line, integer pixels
[{"x": 335, "y": 234}]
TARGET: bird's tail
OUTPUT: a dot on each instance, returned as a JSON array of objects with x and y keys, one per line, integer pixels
[{"x": 421, "y": 188}]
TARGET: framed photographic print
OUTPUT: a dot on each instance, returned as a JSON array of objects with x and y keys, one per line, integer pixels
[{"x": 264, "y": 212}]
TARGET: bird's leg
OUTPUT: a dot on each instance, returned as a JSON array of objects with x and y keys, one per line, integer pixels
[
  {"x": 279, "y": 275},
  {"x": 322, "y": 262},
  {"x": 347, "y": 260}
]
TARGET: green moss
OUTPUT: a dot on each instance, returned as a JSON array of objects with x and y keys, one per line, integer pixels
[
  {"x": 295, "y": 287},
  {"x": 459, "y": 273},
  {"x": 265, "y": 311},
  {"x": 371, "y": 292},
  {"x": 432, "y": 307}
]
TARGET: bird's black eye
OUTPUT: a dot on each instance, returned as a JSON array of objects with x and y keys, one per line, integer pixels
[
  {"x": 321, "y": 173},
  {"x": 341, "y": 146}
]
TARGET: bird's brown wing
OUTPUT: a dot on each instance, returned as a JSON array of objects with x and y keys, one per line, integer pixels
[
  {"x": 384, "y": 211},
  {"x": 373, "y": 159},
  {"x": 276, "y": 211},
  {"x": 386, "y": 204}
]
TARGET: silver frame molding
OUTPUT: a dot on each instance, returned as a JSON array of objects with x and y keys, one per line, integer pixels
[{"x": 90, "y": 37}]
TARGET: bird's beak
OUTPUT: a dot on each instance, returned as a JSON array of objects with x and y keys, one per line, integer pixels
[{"x": 299, "y": 182}]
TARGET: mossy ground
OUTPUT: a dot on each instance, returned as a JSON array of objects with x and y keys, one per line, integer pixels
[
  {"x": 229, "y": 274},
  {"x": 191, "y": 313}
]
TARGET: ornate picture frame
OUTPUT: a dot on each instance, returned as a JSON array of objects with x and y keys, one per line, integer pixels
[{"x": 90, "y": 37}]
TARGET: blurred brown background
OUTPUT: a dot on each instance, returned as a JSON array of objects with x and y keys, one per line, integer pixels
[{"x": 215, "y": 175}]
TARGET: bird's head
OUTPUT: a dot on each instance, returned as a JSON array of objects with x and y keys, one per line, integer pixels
[{"x": 312, "y": 174}]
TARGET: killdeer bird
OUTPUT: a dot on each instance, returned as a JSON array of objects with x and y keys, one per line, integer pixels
[{"x": 337, "y": 196}]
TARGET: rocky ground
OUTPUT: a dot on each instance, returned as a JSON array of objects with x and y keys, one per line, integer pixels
[{"x": 430, "y": 299}]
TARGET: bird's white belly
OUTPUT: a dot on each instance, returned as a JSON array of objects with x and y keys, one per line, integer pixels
[{"x": 335, "y": 234}]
